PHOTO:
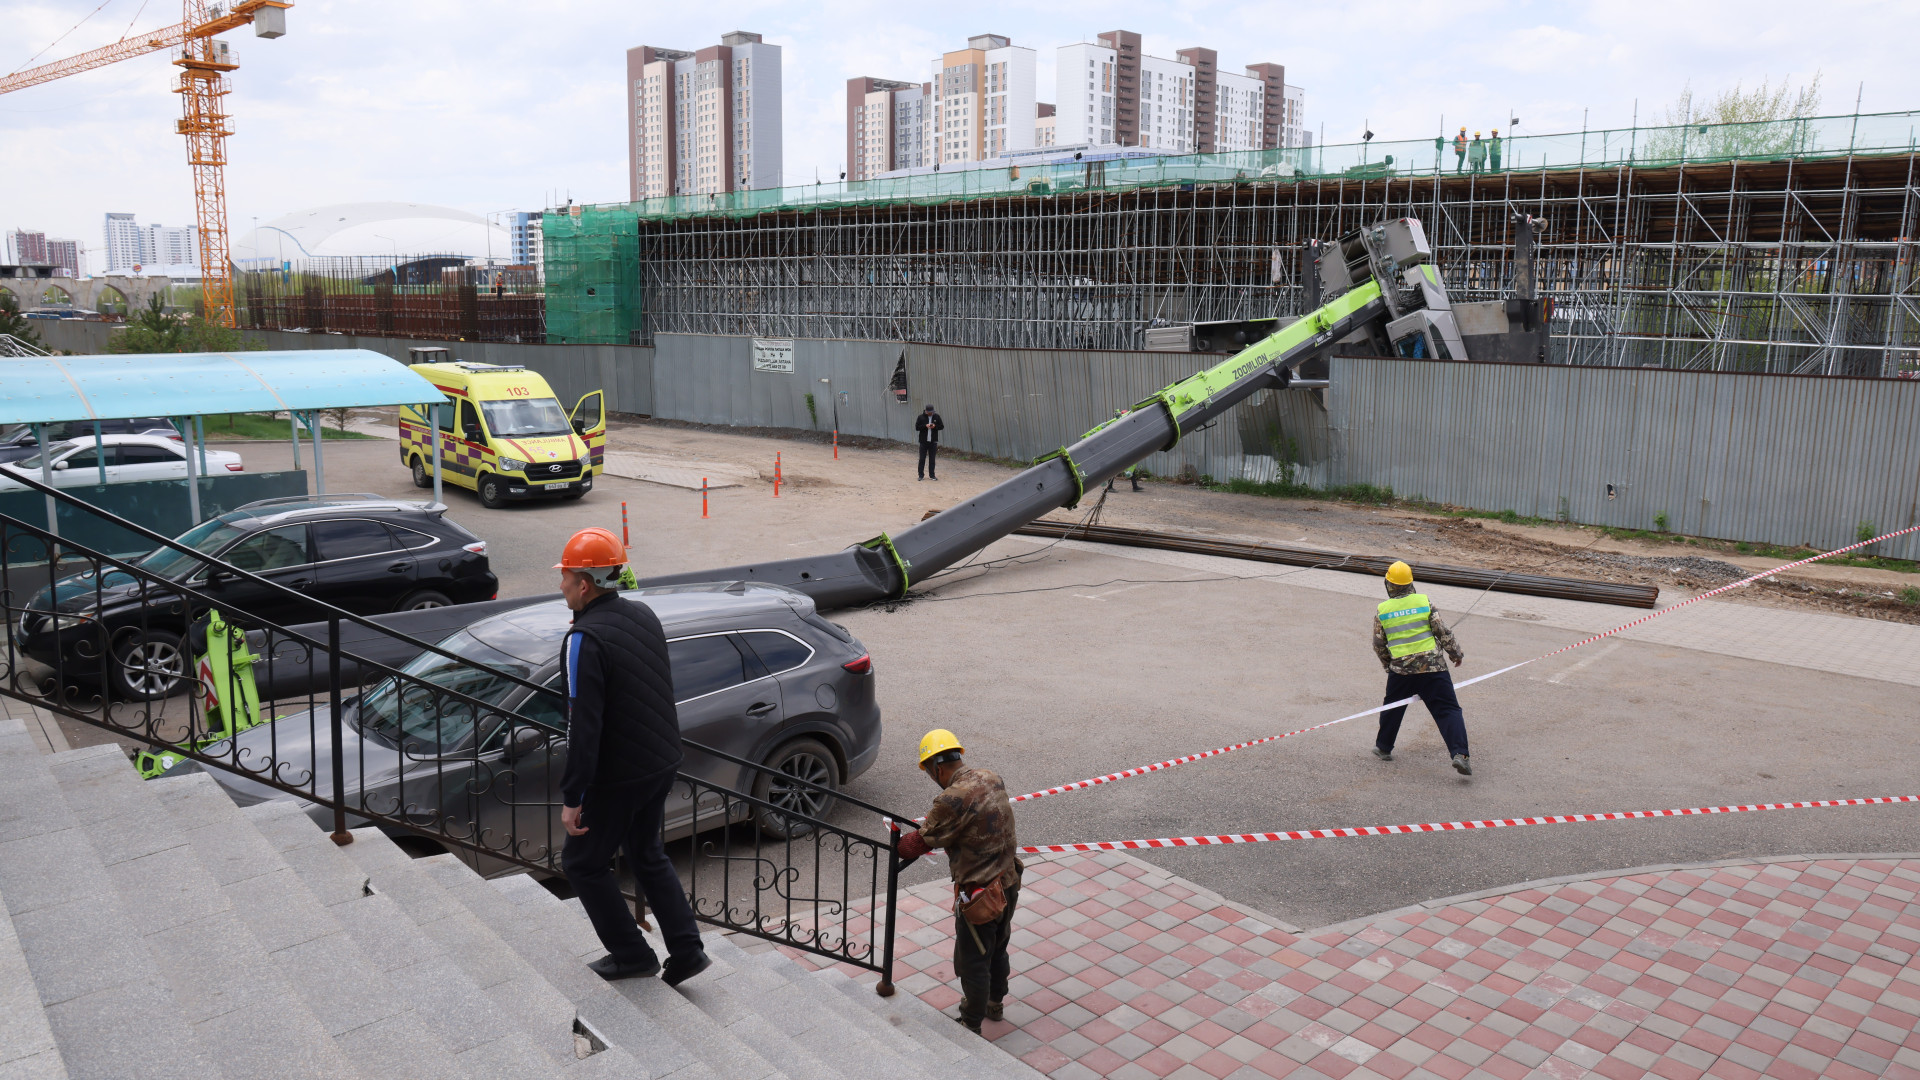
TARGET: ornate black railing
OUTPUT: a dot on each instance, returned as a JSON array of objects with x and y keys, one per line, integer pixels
[{"x": 464, "y": 751}]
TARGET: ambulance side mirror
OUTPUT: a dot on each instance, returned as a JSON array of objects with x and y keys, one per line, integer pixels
[{"x": 579, "y": 427}]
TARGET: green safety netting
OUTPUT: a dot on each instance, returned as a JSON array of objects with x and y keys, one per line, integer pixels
[{"x": 592, "y": 264}]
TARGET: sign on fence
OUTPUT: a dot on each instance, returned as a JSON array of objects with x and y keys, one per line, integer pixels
[{"x": 773, "y": 354}]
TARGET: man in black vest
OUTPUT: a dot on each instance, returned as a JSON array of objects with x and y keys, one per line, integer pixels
[
  {"x": 623, "y": 751},
  {"x": 929, "y": 425}
]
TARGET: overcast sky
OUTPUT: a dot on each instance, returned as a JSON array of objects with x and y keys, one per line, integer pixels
[{"x": 487, "y": 106}]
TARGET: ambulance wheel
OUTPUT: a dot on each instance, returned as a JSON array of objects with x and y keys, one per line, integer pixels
[
  {"x": 493, "y": 494},
  {"x": 421, "y": 477}
]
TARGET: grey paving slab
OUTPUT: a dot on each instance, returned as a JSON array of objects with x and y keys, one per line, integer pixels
[
  {"x": 24, "y": 1034},
  {"x": 239, "y": 1004}
]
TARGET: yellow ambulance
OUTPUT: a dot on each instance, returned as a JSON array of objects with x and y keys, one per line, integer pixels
[{"x": 503, "y": 434}]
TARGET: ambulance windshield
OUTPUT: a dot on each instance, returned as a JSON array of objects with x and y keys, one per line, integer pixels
[{"x": 525, "y": 418}]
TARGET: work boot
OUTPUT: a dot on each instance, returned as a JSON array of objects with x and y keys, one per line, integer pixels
[
  {"x": 610, "y": 969},
  {"x": 681, "y": 968},
  {"x": 1383, "y": 755},
  {"x": 996, "y": 1010},
  {"x": 972, "y": 1011},
  {"x": 1461, "y": 765},
  {"x": 1109, "y": 485},
  {"x": 1136, "y": 482}
]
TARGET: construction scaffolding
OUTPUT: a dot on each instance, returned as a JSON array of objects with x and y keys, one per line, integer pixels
[
  {"x": 446, "y": 297},
  {"x": 1783, "y": 247}
]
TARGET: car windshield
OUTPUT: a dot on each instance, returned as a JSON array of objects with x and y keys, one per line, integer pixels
[
  {"x": 206, "y": 537},
  {"x": 33, "y": 463},
  {"x": 537, "y": 416},
  {"x": 11, "y": 432},
  {"x": 408, "y": 712}
]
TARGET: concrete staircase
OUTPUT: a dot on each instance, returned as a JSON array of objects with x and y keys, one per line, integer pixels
[{"x": 155, "y": 930}]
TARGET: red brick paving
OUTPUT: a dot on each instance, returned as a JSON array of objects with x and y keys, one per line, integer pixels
[{"x": 1784, "y": 969}]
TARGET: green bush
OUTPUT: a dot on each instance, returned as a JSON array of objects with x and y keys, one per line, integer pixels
[
  {"x": 1660, "y": 521},
  {"x": 156, "y": 330},
  {"x": 813, "y": 414},
  {"x": 1865, "y": 532}
]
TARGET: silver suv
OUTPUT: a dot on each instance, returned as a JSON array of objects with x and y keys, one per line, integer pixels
[{"x": 757, "y": 673}]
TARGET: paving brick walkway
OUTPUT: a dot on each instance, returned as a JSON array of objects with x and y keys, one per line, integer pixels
[{"x": 1781, "y": 968}]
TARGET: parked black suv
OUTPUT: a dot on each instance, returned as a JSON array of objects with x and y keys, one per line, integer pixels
[
  {"x": 365, "y": 553},
  {"x": 19, "y": 440}
]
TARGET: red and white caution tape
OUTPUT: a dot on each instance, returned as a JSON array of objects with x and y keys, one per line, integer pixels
[
  {"x": 1157, "y": 766},
  {"x": 1450, "y": 826}
]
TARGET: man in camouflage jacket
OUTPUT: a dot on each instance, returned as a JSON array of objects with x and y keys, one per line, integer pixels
[
  {"x": 1410, "y": 639},
  {"x": 972, "y": 821}
]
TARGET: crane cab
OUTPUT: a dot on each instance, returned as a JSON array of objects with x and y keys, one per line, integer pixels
[{"x": 502, "y": 433}]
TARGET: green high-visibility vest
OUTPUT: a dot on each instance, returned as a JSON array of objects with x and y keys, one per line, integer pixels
[{"x": 1405, "y": 620}]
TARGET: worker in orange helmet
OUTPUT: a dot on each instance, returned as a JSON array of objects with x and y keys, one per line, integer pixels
[{"x": 623, "y": 753}]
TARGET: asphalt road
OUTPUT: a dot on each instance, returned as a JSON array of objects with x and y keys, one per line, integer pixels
[{"x": 1048, "y": 680}]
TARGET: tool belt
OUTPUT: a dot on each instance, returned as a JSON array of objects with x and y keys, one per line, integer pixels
[{"x": 980, "y": 906}]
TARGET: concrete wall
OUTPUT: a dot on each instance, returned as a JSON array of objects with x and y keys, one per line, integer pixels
[{"x": 1775, "y": 459}]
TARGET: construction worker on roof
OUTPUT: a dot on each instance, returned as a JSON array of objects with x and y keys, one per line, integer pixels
[
  {"x": 1460, "y": 150},
  {"x": 623, "y": 753},
  {"x": 1493, "y": 151},
  {"x": 972, "y": 820},
  {"x": 1409, "y": 638},
  {"x": 1476, "y": 153}
]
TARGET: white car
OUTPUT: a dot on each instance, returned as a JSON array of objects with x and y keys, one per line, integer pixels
[{"x": 76, "y": 462}]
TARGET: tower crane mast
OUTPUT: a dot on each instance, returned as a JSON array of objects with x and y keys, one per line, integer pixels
[{"x": 204, "y": 63}]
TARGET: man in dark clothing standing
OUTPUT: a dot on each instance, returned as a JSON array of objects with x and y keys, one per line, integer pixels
[
  {"x": 972, "y": 820},
  {"x": 929, "y": 425},
  {"x": 623, "y": 737},
  {"x": 1409, "y": 638}
]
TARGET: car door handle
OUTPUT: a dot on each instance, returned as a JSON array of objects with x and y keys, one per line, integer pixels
[
  {"x": 299, "y": 583},
  {"x": 762, "y": 708},
  {"x": 397, "y": 568}
]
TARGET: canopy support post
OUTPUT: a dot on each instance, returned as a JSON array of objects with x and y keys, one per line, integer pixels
[
  {"x": 293, "y": 430},
  {"x": 53, "y": 511},
  {"x": 319, "y": 462},
  {"x": 433, "y": 423},
  {"x": 193, "y": 477},
  {"x": 100, "y": 453}
]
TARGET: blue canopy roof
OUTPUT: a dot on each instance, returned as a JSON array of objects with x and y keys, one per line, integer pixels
[{"x": 45, "y": 389}]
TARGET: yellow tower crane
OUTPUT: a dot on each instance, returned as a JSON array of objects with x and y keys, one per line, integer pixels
[{"x": 204, "y": 62}]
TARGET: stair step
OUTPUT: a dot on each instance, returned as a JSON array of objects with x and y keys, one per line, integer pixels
[
  {"x": 27, "y": 1047},
  {"x": 473, "y": 954},
  {"x": 561, "y": 942},
  {"x": 103, "y": 996},
  {"x": 847, "y": 1039},
  {"x": 213, "y": 946}
]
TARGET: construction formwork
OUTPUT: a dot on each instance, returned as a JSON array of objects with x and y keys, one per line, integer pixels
[
  {"x": 430, "y": 296},
  {"x": 1781, "y": 247}
]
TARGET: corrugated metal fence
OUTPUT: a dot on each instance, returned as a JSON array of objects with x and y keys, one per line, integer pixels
[{"x": 1777, "y": 459}]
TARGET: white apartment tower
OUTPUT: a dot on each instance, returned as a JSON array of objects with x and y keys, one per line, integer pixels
[
  {"x": 1108, "y": 93},
  {"x": 126, "y": 244},
  {"x": 886, "y": 125},
  {"x": 984, "y": 101},
  {"x": 705, "y": 121}
]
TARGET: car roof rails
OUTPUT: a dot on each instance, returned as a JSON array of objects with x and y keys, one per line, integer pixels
[
  {"x": 283, "y": 499},
  {"x": 469, "y": 365}
]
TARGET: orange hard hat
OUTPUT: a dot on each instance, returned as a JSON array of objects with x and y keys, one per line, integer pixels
[{"x": 592, "y": 549}]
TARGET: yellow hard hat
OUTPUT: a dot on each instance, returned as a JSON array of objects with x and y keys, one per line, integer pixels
[
  {"x": 937, "y": 742},
  {"x": 1397, "y": 574}
]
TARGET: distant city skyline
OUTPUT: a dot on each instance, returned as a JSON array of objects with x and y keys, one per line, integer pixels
[{"x": 378, "y": 102}]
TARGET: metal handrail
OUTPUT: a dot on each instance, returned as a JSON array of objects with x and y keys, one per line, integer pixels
[{"x": 468, "y": 799}]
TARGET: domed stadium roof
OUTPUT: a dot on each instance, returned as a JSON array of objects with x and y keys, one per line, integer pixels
[{"x": 371, "y": 230}]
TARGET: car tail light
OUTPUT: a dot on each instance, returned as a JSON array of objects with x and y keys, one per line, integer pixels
[
  {"x": 238, "y": 466},
  {"x": 478, "y": 547},
  {"x": 862, "y": 666}
]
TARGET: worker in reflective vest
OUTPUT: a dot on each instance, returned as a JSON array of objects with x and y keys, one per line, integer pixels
[
  {"x": 1410, "y": 639},
  {"x": 1460, "y": 151}
]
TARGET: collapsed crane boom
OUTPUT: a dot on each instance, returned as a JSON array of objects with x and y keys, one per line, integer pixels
[{"x": 1382, "y": 285}]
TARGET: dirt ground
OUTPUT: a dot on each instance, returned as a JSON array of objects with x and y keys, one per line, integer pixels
[{"x": 1677, "y": 569}]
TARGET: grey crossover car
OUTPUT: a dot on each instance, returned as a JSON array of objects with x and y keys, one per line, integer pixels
[{"x": 757, "y": 672}]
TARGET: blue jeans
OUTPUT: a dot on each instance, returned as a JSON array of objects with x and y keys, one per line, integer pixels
[{"x": 1435, "y": 690}]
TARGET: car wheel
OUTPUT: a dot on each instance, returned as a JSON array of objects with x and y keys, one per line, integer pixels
[
  {"x": 805, "y": 759},
  {"x": 421, "y": 477},
  {"x": 492, "y": 494},
  {"x": 150, "y": 665},
  {"x": 422, "y": 600}
]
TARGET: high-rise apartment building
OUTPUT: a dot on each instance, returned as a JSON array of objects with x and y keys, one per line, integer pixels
[
  {"x": 66, "y": 257},
  {"x": 1043, "y": 125},
  {"x": 1109, "y": 93},
  {"x": 526, "y": 237},
  {"x": 984, "y": 101},
  {"x": 26, "y": 248},
  {"x": 126, "y": 244},
  {"x": 886, "y": 125},
  {"x": 704, "y": 121},
  {"x": 172, "y": 245}
]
